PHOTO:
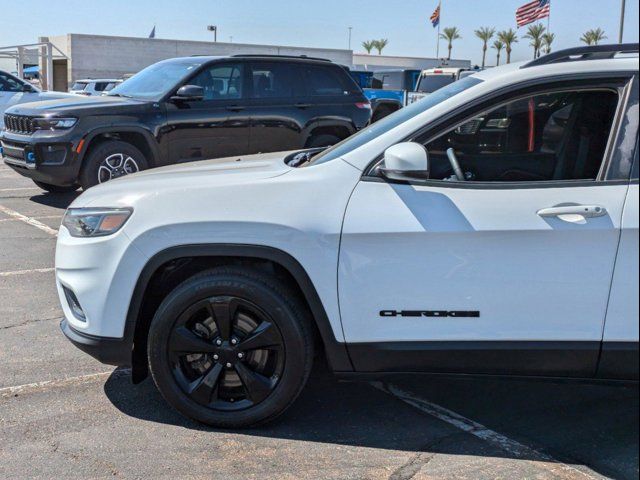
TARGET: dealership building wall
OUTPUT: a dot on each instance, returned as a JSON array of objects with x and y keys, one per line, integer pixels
[{"x": 101, "y": 56}]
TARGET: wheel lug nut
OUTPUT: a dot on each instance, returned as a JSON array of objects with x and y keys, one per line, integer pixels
[
  {"x": 240, "y": 355},
  {"x": 218, "y": 342},
  {"x": 233, "y": 341},
  {"x": 215, "y": 357},
  {"x": 228, "y": 365}
]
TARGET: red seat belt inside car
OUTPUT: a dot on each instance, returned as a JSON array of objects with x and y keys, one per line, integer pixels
[{"x": 532, "y": 125}]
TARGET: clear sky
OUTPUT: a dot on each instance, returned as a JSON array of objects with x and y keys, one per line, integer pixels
[{"x": 315, "y": 23}]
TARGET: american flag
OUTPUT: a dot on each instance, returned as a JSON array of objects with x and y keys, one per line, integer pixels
[
  {"x": 435, "y": 17},
  {"x": 533, "y": 11}
]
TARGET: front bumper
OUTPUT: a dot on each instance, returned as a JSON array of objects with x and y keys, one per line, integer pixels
[
  {"x": 112, "y": 351},
  {"x": 51, "y": 159}
]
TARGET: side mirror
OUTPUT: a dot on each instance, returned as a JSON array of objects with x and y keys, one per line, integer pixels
[
  {"x": 188, "y": 93},
  {"x": 406, "y": 160},
  {"x": 28, "y": 89}
]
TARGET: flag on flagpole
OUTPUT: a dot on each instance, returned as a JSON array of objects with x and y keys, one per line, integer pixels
[
  {"x": 533, "y": 11},
  {"x": 153, "y": 32},
  {"x": 435, "y": 17}
]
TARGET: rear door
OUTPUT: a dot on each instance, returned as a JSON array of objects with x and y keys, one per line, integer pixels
[
  {"x": 277, "y": 106},
  {"x": 509, "y": 274}
]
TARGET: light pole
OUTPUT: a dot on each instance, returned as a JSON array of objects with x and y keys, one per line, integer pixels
[
  {"x": 350, "y": 28},
  {"x": 214, "y": 29},
  {"x": 621, "y": 22}
]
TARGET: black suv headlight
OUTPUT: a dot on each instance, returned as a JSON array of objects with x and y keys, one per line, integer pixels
[
  {"x": 54, "y": 123},
  {"x": 95, "y": 222}
]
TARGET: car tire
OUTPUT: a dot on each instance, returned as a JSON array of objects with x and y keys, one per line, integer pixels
[
  {"x": 325, "y": 140},
  {"x": 56, "y": 188},
  {"x": 215, "y": 386},
  {"x": 111, "y": 159}
]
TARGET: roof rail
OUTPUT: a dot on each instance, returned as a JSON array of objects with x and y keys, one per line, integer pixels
[
  {"x": 594, "y": 52},
  {"x": 261, "y": 55}
]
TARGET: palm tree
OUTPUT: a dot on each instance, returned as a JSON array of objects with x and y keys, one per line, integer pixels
[
  {"x": 593, "y": 36},
  {"x": 547, "y": 40},
  {"x": 508, "y": 37},
  {"x": 485, "y": 34},
  {"x": 498, "y": 45},
  {"x": 450, "y": 34},
  {"x": 535, "y": 33},
  {"x": 380, "y": 44},
  {"x": 368, "y": 45}
]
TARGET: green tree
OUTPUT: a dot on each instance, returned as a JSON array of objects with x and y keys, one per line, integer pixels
[
  {"x": 508, "y": 37},
  {"x": 498, "y": 45},
  {"x": 593, "y": 36},
  {"x": 547, "y": 40},
  {"x": 535, "y": 33},
  {"x": 368, "y": 45},
  {"x": 485, "y": 34},
  {"x": 450, "y": 34},
  {"x": 380, "y": 44}
]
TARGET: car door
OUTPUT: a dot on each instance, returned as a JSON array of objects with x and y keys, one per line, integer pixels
[
  {"x": 508, "y": 275},
  {"x": 216, "y": 126},
  {"x": 277, "y": 106}
]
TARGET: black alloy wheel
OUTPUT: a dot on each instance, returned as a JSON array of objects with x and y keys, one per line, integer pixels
[
  {"x": 226, "y": 353},
  {"x": 231, "y": 347}
]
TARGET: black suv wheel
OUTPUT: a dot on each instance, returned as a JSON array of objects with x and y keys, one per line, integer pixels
[
  {"x": 230, "y": 347},
  {"x": 109, "y": 160}
]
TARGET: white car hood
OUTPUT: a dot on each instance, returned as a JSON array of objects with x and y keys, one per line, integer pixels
[{"x": 187, "y": 177}]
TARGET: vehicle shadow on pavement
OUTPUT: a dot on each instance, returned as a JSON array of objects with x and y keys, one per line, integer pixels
[
  {"x": 357, "y": 414},
  {"x": 56, "y": 200}
]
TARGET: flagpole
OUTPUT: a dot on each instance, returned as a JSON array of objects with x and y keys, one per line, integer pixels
[
  {"x": 439, "y": 21},
  {"x": 549, "y": 19}
]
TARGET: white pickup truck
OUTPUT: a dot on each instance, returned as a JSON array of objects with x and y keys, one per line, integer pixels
[
  {"x": 432, "y": 79},
  {"x": 491, "y": 228}
]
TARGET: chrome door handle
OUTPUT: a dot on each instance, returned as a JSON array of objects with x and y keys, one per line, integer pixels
[{"x": 586, "y": 211}]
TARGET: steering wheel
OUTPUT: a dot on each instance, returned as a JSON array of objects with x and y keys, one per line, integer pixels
[{"x": 453, "y": 160}]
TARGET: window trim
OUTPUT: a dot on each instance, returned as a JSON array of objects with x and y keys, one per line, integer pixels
[{"x": 620, "y": 81}]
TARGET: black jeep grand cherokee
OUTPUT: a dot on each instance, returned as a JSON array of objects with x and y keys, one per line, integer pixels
[{"x": 181, "y": 110}]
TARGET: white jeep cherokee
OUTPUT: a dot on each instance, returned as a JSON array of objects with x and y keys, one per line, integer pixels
[{"x": 491, "y": 228}]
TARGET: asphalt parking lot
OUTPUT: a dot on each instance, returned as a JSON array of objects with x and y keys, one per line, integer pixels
[{"x": 64, "y": 415}]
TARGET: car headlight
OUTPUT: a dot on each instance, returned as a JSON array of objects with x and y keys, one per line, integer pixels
[
  {"x": 95, "y": 222},
  {"x": 54, "y": 123}
]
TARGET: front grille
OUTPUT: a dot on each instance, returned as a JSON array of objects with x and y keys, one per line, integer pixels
[{"x": 19, "y": 124}]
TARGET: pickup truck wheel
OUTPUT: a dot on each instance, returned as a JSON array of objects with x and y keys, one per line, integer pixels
[
  {"x": 230, "y": 347},
  {"x": 109, "y": 160},
  {"x": 55, "y": 188},
  {"x": 316, "y": 141}
]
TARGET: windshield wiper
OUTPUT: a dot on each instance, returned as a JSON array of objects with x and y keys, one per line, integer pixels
[
  {"x": 119, "y": 95},
  {"x": 305, "y": 156}
]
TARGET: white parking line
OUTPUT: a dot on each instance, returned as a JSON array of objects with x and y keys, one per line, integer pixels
[
  {"x": 28, "y": 220},
  {"x": 7, "y": 392},
  {"x": 506, "y": 444},
  {"x": 25, "y": 272},
  {"x": 18, "y": 189}
]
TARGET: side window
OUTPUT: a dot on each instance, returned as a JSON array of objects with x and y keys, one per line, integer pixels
[
  {"x": 550, "y": 136},
  {"x": 9, "y": 84},
  {"x": 100, "y": 86},
  {"x": 276, "y": 80},
  {"x": 220, "y": 82},
  {"x": 325, "y": 81}
]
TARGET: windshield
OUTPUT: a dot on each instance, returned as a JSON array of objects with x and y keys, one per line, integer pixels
[
  {"x": 431, "y": 83},
  {"x": 79, "y": 86},
  {"x": 388, "y": 123},
  {"x": 155, "y": 81}
]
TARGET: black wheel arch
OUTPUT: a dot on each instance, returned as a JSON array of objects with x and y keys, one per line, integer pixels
[
  {"x": 189, "y": 259},
  {"x": 137, "y": 136}
]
